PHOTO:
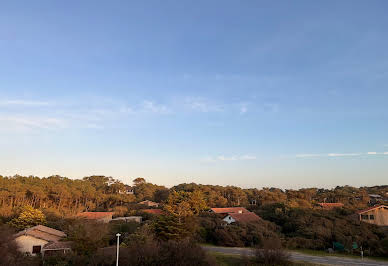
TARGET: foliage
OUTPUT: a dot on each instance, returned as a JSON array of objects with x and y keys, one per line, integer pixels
[
  {"x": 271, "y": 253},
  {"x": 8, "y": 250},
  {"x": 28, "y": 217},
  {"x": 183, "y": 204},
  {"x": 87, "y": 236}
]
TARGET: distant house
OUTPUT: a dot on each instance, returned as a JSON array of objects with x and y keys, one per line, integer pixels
[
  {"x": 229, "y": 210},
  {"x": 329, "y": 206},
  {"x": 377, "y": 215},
  {"x": 375, "y": 198},
  {"x": 241, "y": 217},
  {"x": 149, "y": 203},
  {"x": 127, "y": 219},
  {"x": 33, "y": 240},
  {"x": 103, "y": 217},
  {"x": 153, "y": 211},
  {"x": 127, "y": 190}
]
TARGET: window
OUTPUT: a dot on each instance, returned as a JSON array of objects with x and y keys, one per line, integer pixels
[
  {"x": 364, "y": 217},
  {"x": 371, "y": 217},
  {"x": 36, "y": 249}
]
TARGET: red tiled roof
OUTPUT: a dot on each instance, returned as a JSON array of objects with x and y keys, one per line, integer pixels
[
  {"x": 229, "y": 210},
  {"x": 331, "y": 205},
  {"x": 245, "y": 217},
  {"x": 94, "y": 215},
  {"x": 153, "y": 211},
  {"x": 372, "y": 208}
]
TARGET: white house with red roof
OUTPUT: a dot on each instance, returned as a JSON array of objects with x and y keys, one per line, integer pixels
[{"x": 246, "y": 217}]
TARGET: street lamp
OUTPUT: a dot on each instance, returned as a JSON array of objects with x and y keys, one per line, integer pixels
[{"x": 118, "y": 248}]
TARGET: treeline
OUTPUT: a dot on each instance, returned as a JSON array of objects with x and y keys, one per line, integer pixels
[
  {"x": 69, "y": 196},
  {"x": 64, "y": 196}
]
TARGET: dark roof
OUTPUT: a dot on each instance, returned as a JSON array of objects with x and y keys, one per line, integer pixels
[
  {"x": 372, "y": 208},
  {"x": 94, "y": 215},
  {"x": 58, "y": 245},
  {"x": 229, "y": 210},
  {"x": 42, "y": 232},
  {"x": 245, "y": 217}
]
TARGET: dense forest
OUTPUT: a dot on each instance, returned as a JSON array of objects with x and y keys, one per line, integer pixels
[
  {"x": 291, "y": 217},
  {"x": 66, "y": 197}
]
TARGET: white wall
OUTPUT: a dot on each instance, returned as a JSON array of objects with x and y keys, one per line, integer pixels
[
  {"x": 25, "y": 243},
  {"x": 229, "y": 219}
]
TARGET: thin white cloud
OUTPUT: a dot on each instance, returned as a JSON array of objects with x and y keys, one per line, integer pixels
[
  {"x": 23, "y": 103},
  {"x": 343, "y": 154},
  {"x": 149, "y": 106},
  {"x": 202, "y": 105},
  {"x": 229, "y": 158},
  {"x": 307, "y": 155},
  {"x": 30, "y": 122}
]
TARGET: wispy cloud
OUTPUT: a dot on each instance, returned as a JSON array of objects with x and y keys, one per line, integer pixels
[
  {"x": 229, "y": 158},
  {"x": 243, "y": 108},
  {"x": 307, "y": 155},
  {"x": 30, "y": 122},
  {"x": 202, "y": 105},
  {"x": 23, "y": 103},
  {"x": 150, "y": 106}
]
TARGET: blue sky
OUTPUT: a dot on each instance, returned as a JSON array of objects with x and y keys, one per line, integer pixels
[{"x": 254, "y": 94}]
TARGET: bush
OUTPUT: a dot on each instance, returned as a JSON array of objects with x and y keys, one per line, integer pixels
[{"x": 271, "y": 253}]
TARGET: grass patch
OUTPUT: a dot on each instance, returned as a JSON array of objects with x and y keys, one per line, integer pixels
[
  {"x": 223, "y": 259},
  {"x": 326, "y": 254}
]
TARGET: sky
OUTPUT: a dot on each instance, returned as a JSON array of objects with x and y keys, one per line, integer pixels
[{"x": 284, "y": 94}]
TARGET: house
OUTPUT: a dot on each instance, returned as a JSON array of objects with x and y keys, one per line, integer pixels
[
  {"x": 34, "y": 239},
  {"x": 229, "y": 210},
  {"x": 127, "y": 219},
  {"x": 127, "y": 190},
  {"x": 149, "y": 203},
  {"x": 103, "y": 217},
  {"x": 375, "y": 198},
  {"x": 329, "y": 206},
  {"x": 153, "y": 211},
  {"x": 57, "y": 248},
  {"x": 241, "y": 217},
  {"x": 377, "y": 215}
]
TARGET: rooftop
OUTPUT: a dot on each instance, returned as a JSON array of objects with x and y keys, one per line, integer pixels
[
  {"x": 229, "y": 210},
  {"x": 58, "y": 245},
  {"x": 94, "y": 215},
  {"x": 372, "y": 208},
  {"x": 245, "y": 217},
  {"x": 43, "y": 232}
]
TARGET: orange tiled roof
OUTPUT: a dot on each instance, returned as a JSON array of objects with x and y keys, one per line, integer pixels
[
  {"x": 153, "y": 211},
  {"x": 245, "y": 217},
  {"x": 94, "y": 215},
  {"x": 372, "y": 208},
  {"x": 229, "y": 210}
]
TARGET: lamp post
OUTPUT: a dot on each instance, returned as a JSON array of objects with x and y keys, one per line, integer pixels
[{"x": 118, "y": 248}]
